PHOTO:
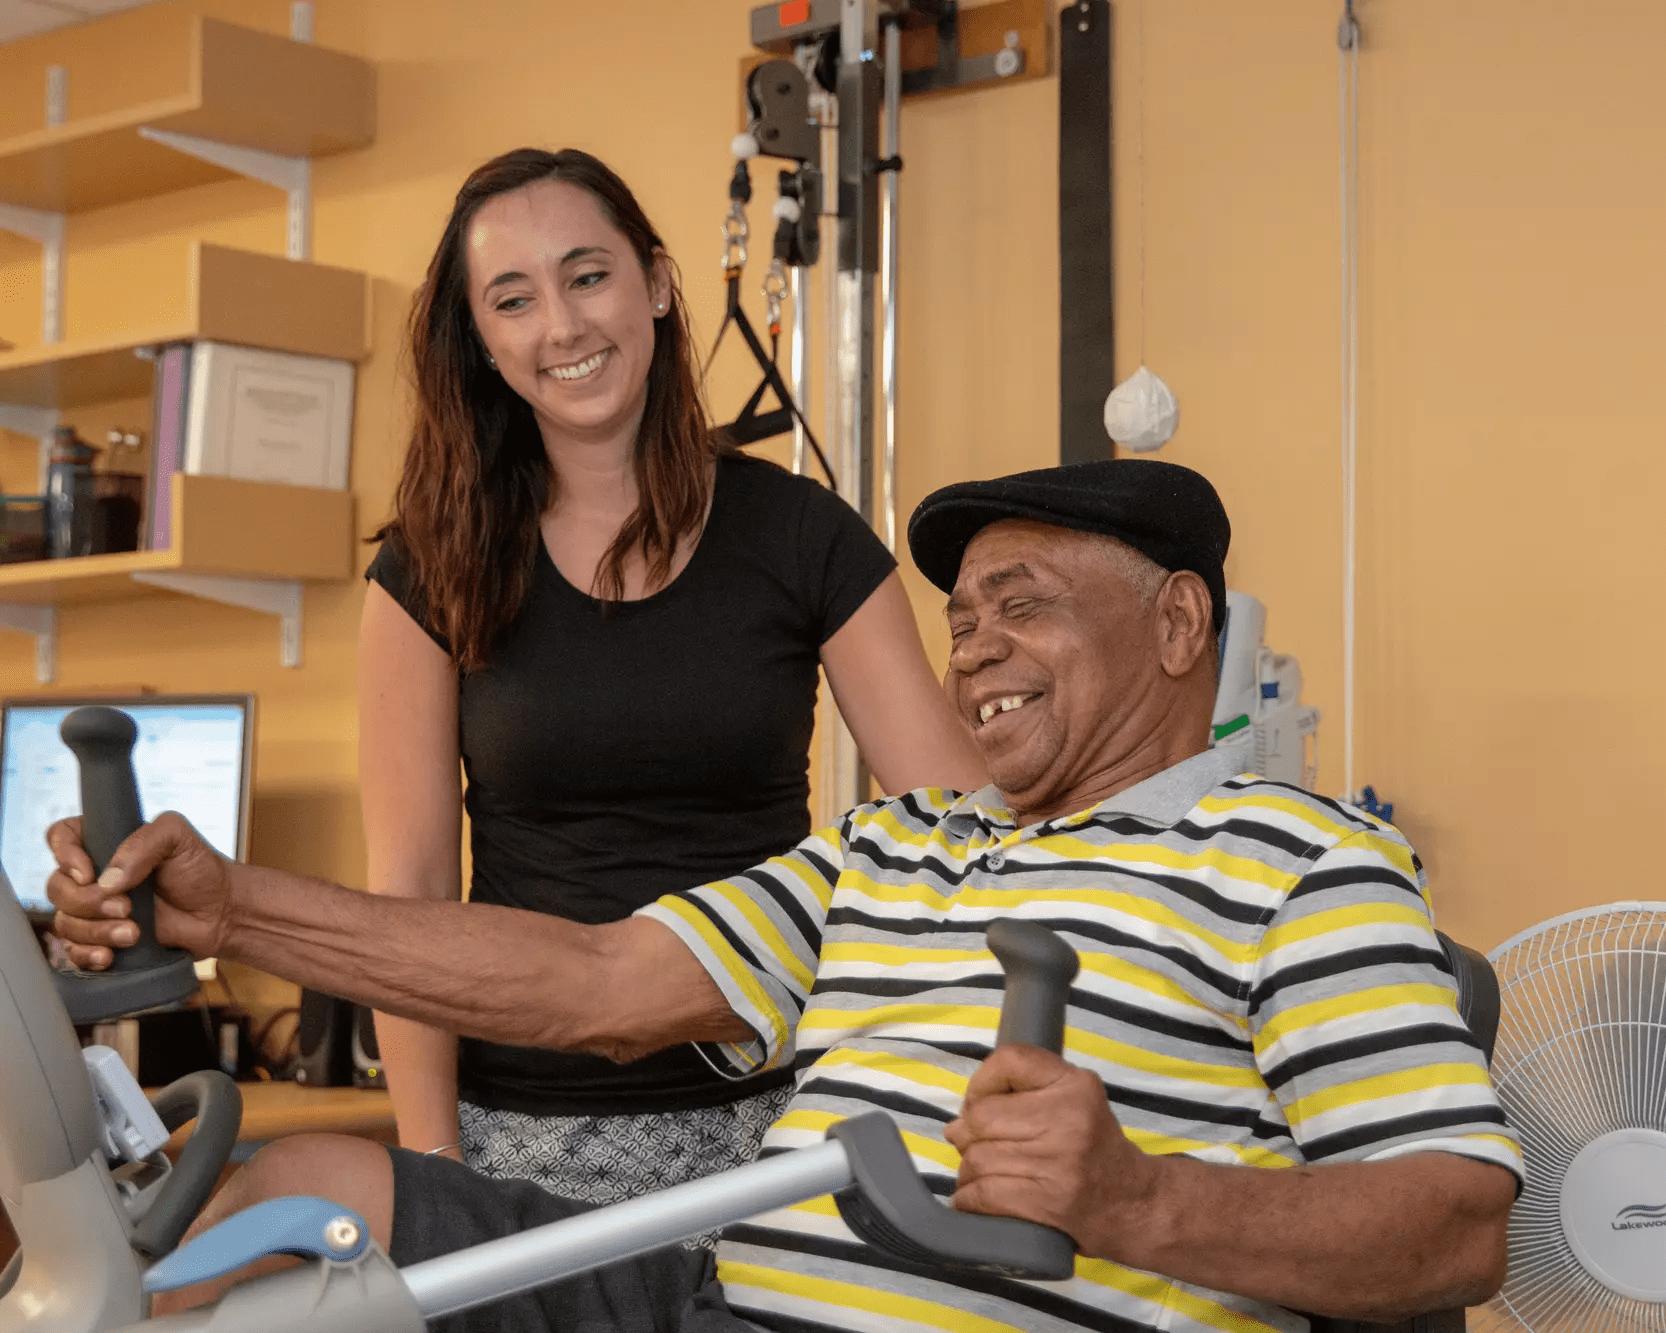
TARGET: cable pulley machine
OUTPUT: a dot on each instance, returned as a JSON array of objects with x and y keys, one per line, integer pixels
[{"x": 826, "y": 98}]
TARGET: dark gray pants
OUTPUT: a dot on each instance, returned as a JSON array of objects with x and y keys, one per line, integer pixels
[{"x": 440, "y": 1205}]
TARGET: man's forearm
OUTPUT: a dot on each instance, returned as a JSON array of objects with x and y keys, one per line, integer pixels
[
  {"x": 519, "y": 978},
  {"x": 1371, "y": 1240}
]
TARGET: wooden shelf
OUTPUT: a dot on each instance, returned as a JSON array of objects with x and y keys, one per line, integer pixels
[
  {"x": 232, "y": 296},
  {"x": 246, "y": 88},
  {"x": 242, "y": 543},
  {"x": 223, "y": 528}
]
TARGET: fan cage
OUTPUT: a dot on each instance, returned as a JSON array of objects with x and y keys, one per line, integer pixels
[{"x": 1581, "y": 1052}]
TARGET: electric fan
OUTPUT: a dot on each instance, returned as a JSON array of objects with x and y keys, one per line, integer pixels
[{"x": 1580, "y": 1066}]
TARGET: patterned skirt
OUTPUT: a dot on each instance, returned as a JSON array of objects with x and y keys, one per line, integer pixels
[{"x": 607, "y": 1159}]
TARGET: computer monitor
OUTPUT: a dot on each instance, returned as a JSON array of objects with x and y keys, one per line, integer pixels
[{"x": 194, "y": 754}]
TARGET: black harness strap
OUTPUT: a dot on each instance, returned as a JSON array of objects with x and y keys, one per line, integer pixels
[{"x": 751, "y": 425}]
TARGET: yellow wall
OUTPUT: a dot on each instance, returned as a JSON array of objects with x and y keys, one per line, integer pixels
[
  {"x": 1510, "y": 344},
  {"x": 1511, "y": 341}
]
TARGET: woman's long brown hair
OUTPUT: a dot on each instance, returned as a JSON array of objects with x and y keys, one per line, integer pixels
[{"x": 476, "y": 476}]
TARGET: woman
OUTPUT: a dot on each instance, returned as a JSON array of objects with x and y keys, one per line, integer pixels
[{"x": 615, "y": 625}]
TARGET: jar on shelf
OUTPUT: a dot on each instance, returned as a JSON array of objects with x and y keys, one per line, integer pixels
[
  {"x": 69, "y": 494},
  {"x": 118, "y": 500},
  {"x": 22, "y": 528}
]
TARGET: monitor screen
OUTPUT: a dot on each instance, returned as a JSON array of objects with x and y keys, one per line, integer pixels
[{"x": 192, "y": 755}]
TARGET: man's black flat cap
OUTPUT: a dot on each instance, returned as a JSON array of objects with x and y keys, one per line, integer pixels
[{"x": 1168, "y": 513}]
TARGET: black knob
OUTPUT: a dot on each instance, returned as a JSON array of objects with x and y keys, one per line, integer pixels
[
  {"x": 1039, "y": 967},
  {"x": 145, "y": 974}
]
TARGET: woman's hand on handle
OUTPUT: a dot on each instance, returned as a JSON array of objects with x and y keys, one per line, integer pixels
[{"x": 193, "y": 886}]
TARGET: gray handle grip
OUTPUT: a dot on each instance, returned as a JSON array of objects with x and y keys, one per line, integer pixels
[
  {"x": 889, "y": 1206},
  {"x": 143, "y": 975},
  {"x": 213, "y": 1101},
  {"x": 1039, "y": 967}
]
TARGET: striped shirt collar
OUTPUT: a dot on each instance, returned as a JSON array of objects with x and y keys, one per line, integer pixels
[{"x": 1163, "y": 798}]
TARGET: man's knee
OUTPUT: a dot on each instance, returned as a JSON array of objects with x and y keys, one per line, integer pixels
[{"x": 352, "y": 1172}]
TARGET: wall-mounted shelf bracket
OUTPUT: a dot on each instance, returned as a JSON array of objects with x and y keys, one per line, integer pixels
[
  {"x": 42, "y": 622},
  {"x": 46, "y": 229},
  {"x": 292, "y": 175},
  {"x": 24, "y": 419},
  {"x": 57, "y": 94},
  {"x": 956, "y": 70},
  {"x": 273, "y": 597}
]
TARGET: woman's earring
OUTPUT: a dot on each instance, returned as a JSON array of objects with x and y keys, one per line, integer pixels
[{"x": 490, "y": 362}]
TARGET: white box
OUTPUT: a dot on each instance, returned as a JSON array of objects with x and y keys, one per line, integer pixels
[{"x": 269, "y": 416}]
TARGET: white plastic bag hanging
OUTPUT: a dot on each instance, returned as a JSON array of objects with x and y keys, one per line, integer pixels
[{"x": 1141, "y": 412}]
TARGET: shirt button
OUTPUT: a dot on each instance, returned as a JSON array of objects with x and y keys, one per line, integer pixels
[{"x": 996, "y": 860}]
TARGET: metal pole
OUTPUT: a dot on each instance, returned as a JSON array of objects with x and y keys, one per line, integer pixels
[
  {"x": 835, "y": 785},
  {"x": 798, "y": 361},
  {"x": 858, "y": 259},
  {"x": 832, "y": 404},
  {"x": 499, "y": 1268},
  {"x": 853, "y": 315},
  {"x": 888, "y": 280}
]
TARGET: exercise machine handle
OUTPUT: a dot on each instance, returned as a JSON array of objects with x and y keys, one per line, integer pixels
[
  {"x": 864, "y": 1164},
  {"x": 889, "y": 1206},
  {"x": 1039, "y": 968},
  {"x": 144, "y": 975},
  {"x": 212, "y": 1099}
]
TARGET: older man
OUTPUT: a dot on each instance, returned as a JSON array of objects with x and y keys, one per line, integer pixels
[{"x": 1268, "y": 1101}]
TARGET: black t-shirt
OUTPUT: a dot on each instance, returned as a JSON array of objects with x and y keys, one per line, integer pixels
[{"x": 615, "y": 756}]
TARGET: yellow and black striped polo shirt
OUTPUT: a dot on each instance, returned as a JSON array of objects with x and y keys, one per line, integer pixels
[{"x": 1260, "y": 986}]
